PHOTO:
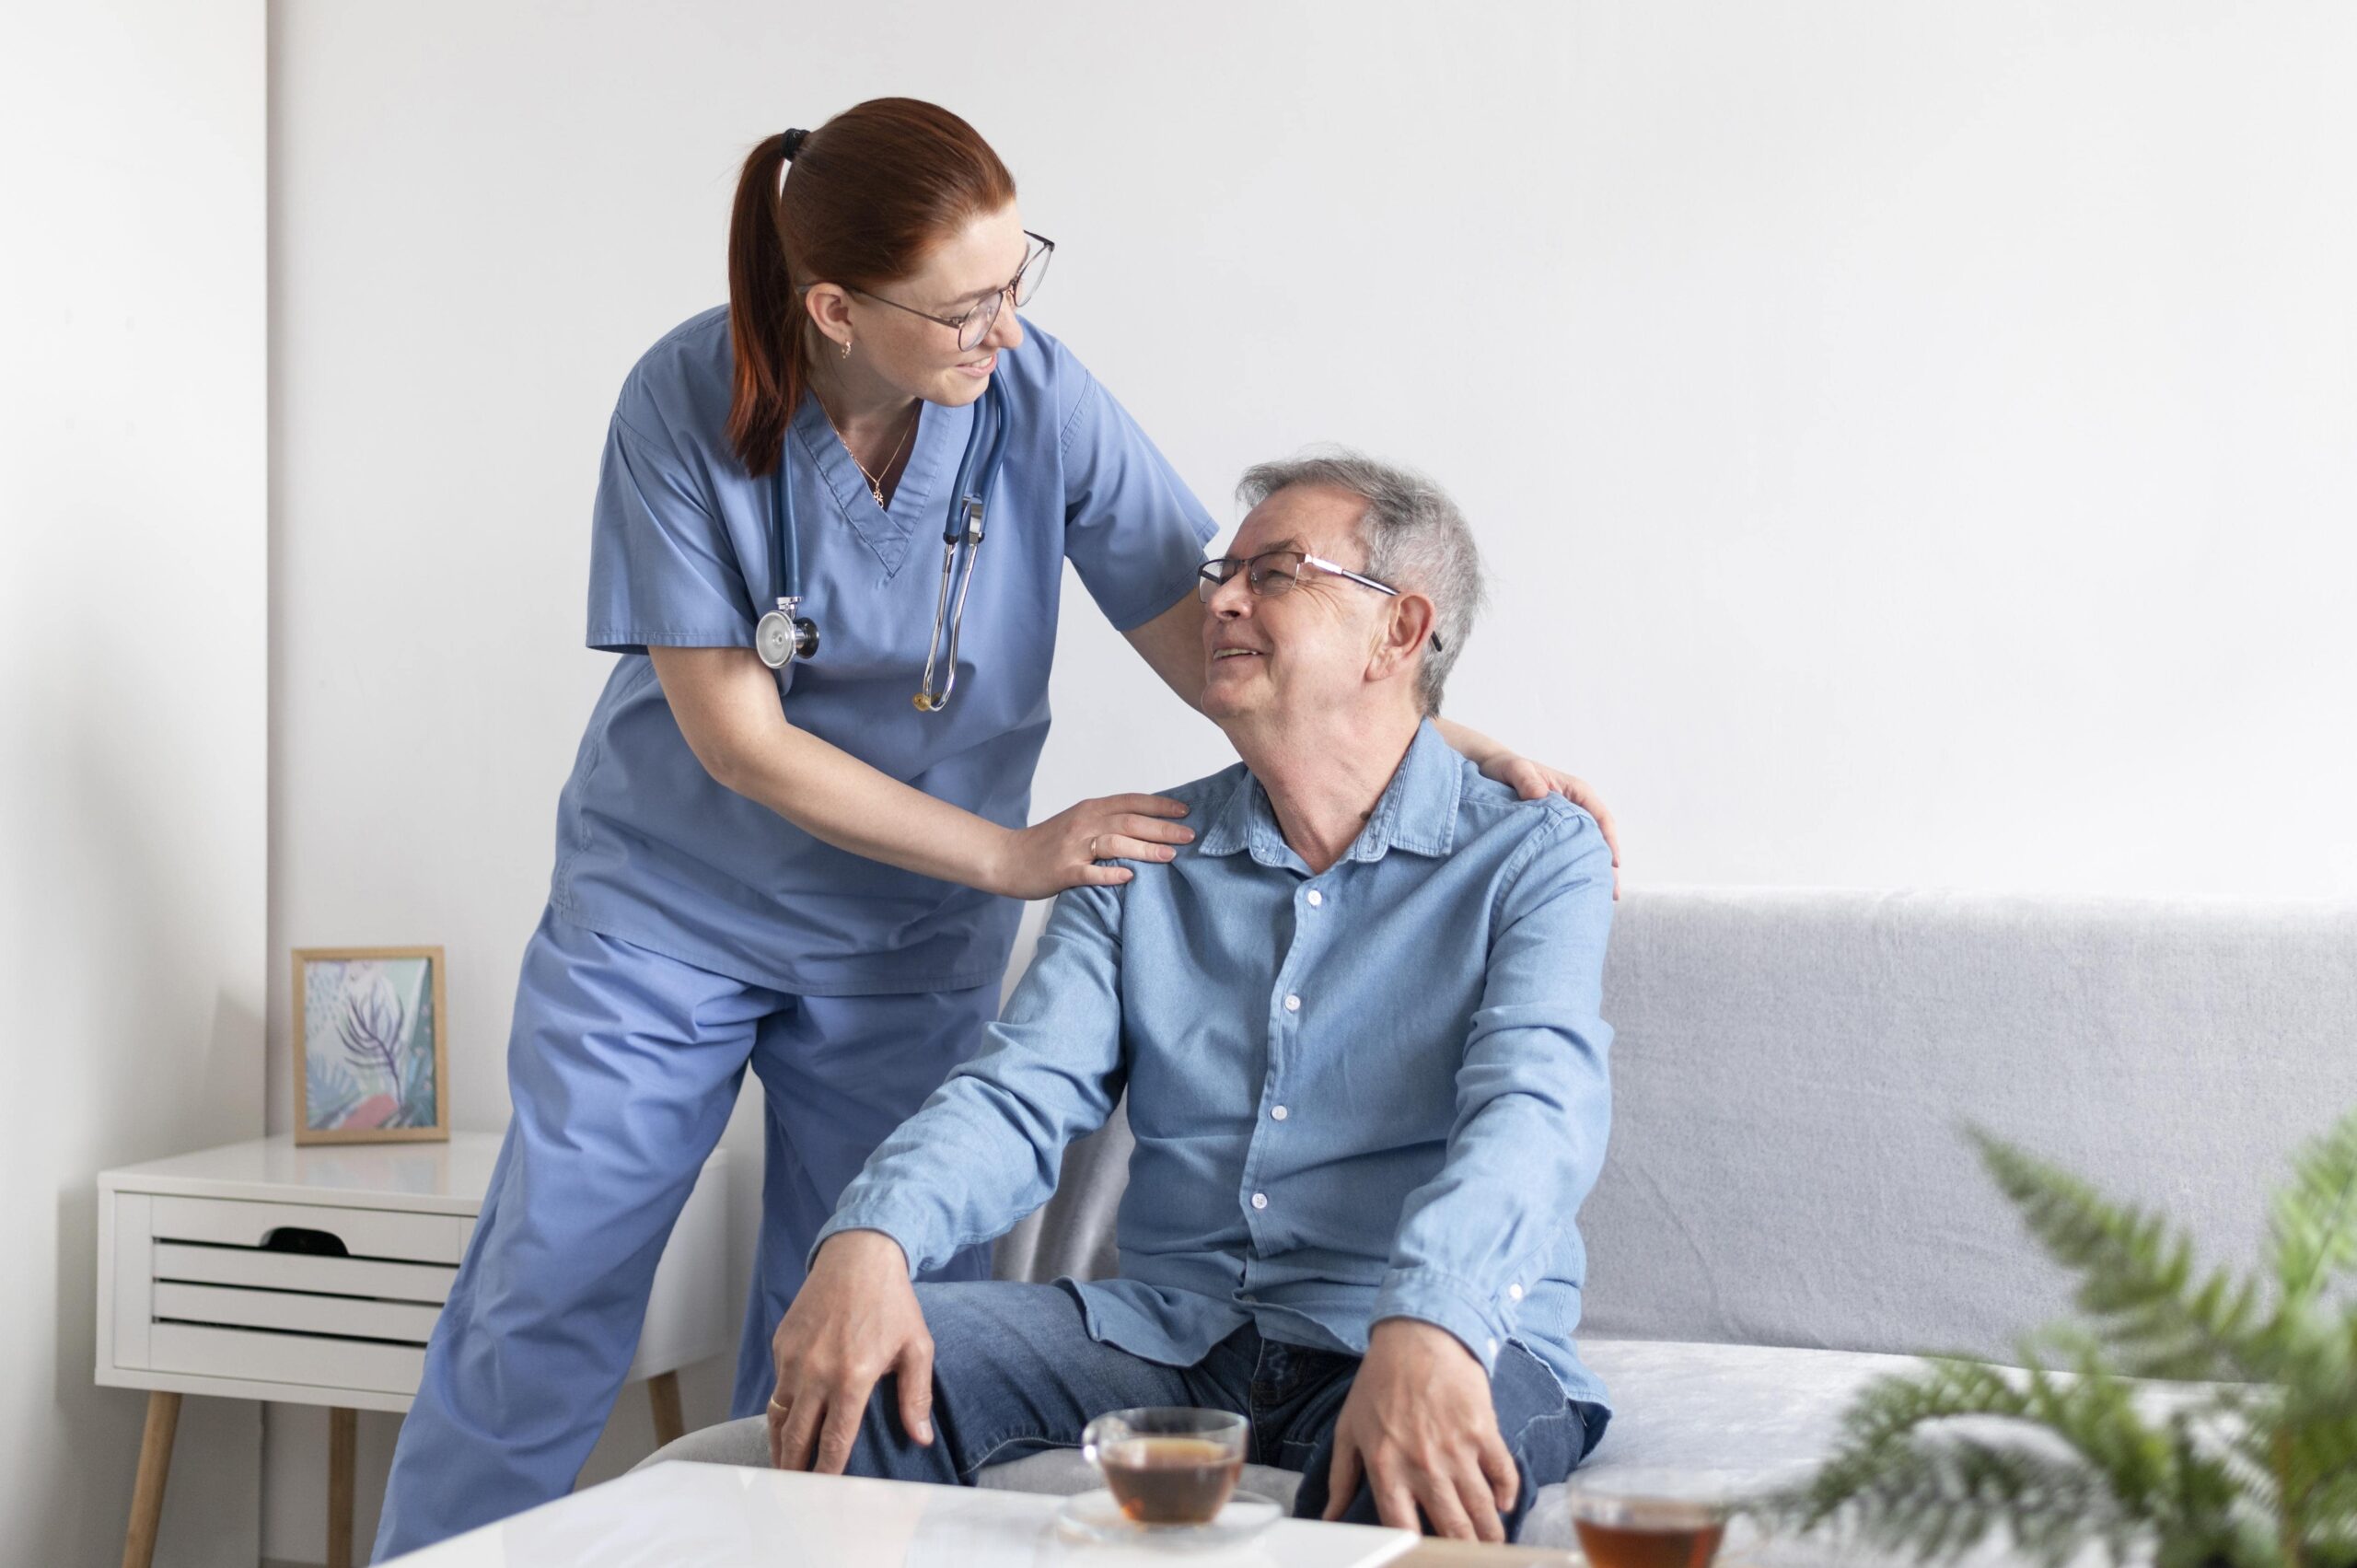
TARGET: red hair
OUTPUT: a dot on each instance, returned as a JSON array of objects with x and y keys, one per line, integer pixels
[{"x": 865, "y": 196}]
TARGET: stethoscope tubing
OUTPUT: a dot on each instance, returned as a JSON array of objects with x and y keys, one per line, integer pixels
[
  {"x": 785, "y": 538},
  {"x": 994, "y": 401},
  {"x": 963, "y": 523}
]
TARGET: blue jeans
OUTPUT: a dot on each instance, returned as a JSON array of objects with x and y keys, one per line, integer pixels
[{"x": 1016, "y": 1373}]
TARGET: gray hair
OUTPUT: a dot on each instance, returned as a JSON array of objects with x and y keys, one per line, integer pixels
[{"x": 1415, "y": 539}]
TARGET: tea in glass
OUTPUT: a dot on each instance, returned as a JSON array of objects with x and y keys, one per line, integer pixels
[
  {"x": 1168, "y": 1466},
  {"x": 1649, "y": 1519}
]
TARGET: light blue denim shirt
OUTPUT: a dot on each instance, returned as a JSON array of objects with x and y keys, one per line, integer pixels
[{"x": 1375, "y": 1092}]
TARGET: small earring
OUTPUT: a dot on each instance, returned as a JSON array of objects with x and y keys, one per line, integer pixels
[{"x": 846, "y": 348}]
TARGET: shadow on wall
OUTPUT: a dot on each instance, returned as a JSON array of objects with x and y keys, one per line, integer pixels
[{"x": 127, "y": 948}]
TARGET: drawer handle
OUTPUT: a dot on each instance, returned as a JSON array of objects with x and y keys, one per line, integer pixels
[{"x": 309, "y": 1242}]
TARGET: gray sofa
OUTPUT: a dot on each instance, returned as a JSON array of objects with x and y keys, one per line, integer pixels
[{"x": 1787, "y": 1209}]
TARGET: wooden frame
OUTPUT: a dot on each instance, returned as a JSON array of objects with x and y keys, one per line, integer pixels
[{"x": 440, "y": 1131}]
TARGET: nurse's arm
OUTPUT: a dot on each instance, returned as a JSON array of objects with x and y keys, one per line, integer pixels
[
  {"x": 726, "y": 705},
  {"x": 1172, "y": 642}
]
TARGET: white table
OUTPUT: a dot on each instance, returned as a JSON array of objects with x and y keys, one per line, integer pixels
[
  {"x": 262, "y": 1270},
  {"x": 683, "y": 1516}
]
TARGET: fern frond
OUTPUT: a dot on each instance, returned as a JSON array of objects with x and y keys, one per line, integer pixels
[
  {"x": 2205, "y": 1479},
  {"x": 2135, "y": 1273},
  {"x": 2096, "y": 1414},
  {"x": 2330, "y": 1522},
  {"x": 2312, "y": 1361},
  {"x": 2312, "y": 1468},
  {"x": 2251, "y": 1468},
  {"x": 2313, "y": 1230},
  {"x": 2258, "y": 1470},
  {"x": 1890, "y": 1409},
  {"x": 2331, "y": 1526},
  {"x": 1939, "y": 1496}
]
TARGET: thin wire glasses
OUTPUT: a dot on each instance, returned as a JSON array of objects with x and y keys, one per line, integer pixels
[
  {"x": 976, "y": 323},
  {"x": 1273, "y": 573}
]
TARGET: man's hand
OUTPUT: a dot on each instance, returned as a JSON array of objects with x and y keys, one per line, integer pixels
[
  {"x": 854, "y": 1319},
  {"x": 1419, "y": 1421}
]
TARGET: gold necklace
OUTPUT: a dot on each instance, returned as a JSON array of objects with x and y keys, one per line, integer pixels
[{"x": 874, "y": 480}]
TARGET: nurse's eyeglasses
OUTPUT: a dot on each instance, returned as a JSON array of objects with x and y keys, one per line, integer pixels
[
  {"x": 976, "y": 323},
  {"x": 1276, "y": 571}
]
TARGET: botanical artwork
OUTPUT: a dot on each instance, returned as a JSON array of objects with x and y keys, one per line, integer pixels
[{"x": 368, "y": 1044}]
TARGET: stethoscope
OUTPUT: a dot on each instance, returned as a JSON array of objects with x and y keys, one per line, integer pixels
[{"x": 786, "y": 635}]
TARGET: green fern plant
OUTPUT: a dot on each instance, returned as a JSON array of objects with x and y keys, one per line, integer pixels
[{"x": 2254, "y": 1466}]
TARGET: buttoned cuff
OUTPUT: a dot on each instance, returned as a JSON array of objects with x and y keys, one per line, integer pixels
[
  {"x": 871, "y": 1216},
  {"x": 1477, "y": 1320}
]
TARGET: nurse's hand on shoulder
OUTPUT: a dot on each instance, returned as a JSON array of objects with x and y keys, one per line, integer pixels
[
  {"x": 1531, "y": 780},
  {"x": 1044, "y": 859},
  {"x": 855, "y": 1318}
]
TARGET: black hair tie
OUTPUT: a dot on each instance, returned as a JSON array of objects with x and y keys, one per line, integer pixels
[{"x": 793, "y": 142}]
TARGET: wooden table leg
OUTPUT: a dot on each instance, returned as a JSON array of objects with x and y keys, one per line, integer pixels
[
  {"x": 663, "y": 1393},
  {"x": 155, "y": 1466},
  {"x": 343, "y": 1442}
]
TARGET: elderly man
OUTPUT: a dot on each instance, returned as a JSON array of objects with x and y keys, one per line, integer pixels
[{"x": 1357, "y": 1022}]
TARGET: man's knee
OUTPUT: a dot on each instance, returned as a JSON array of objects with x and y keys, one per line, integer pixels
[
  {"x": 987, "y": 1339},
  {"x": 884, "y": 1449},
  {"x": 988, "y": 1333}
]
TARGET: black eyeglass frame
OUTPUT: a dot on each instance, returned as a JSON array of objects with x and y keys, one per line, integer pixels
[
  {"x": 1005, "y": 291},
  {"x": 1211, "y": 578}
]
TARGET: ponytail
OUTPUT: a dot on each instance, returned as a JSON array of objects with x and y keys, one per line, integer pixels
[
  {"x": 873, "y": 190},
  {"x": 764, "y": 313}
]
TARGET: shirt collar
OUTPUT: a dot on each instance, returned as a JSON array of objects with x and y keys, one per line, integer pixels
[{"x": 1417, "y": 810}]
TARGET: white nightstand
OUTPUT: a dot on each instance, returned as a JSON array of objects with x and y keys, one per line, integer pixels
[{"x": 312, "y": 1276}]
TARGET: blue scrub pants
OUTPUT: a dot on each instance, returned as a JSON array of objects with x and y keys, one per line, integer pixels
[{"x": 624, "y": 1066}]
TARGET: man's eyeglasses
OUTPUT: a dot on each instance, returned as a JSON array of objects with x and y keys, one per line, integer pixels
[
  {"x": 1273, "y": 573},
  {"x": 976, "y": 323}
]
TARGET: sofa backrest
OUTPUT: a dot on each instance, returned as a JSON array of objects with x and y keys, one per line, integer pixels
[{"x": 1791, "y": 1071}]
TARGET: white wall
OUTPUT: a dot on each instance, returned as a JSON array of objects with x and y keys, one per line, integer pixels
[
  {"x": 1912, "y": 445},
  {"x": 132, "y": 712}
]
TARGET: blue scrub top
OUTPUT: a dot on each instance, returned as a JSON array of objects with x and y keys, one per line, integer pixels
[{"x": 652, "y": 851}]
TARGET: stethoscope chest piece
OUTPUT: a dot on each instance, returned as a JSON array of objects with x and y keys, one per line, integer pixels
[{"x": 782, "y": 636}]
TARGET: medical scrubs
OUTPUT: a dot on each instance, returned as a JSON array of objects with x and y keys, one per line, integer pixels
[{"x": 690, "y": 932}]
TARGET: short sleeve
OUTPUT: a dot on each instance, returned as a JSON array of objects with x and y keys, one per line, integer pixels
[
  {"x": 1132, "y": 528},
  {"x": 662, "y": 571}
]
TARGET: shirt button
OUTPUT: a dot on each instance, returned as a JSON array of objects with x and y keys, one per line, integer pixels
[
  {"x": 1259, "y": 1200},
  {"x": 1316, "y": 898},
  {"x": 1279, "y": 1113},
  {"x": 1514, "y": 1291},
  {"x": 1493, "y": 1347},
  {"x": 1293, "y": 1004}
]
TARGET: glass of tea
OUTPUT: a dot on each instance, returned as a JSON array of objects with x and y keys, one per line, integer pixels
[
  {"x": 1167, "y": 1465},
  {"x": 1649, "y": 1517}
]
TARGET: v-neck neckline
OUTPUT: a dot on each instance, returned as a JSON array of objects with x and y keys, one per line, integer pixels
[{"x": 886, "y": 530}]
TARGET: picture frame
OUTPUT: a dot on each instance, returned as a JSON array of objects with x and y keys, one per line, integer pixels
[{"x": 372, "y": 1062}]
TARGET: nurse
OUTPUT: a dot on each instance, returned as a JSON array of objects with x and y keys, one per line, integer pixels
[{"x": 815, "y": 870}]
